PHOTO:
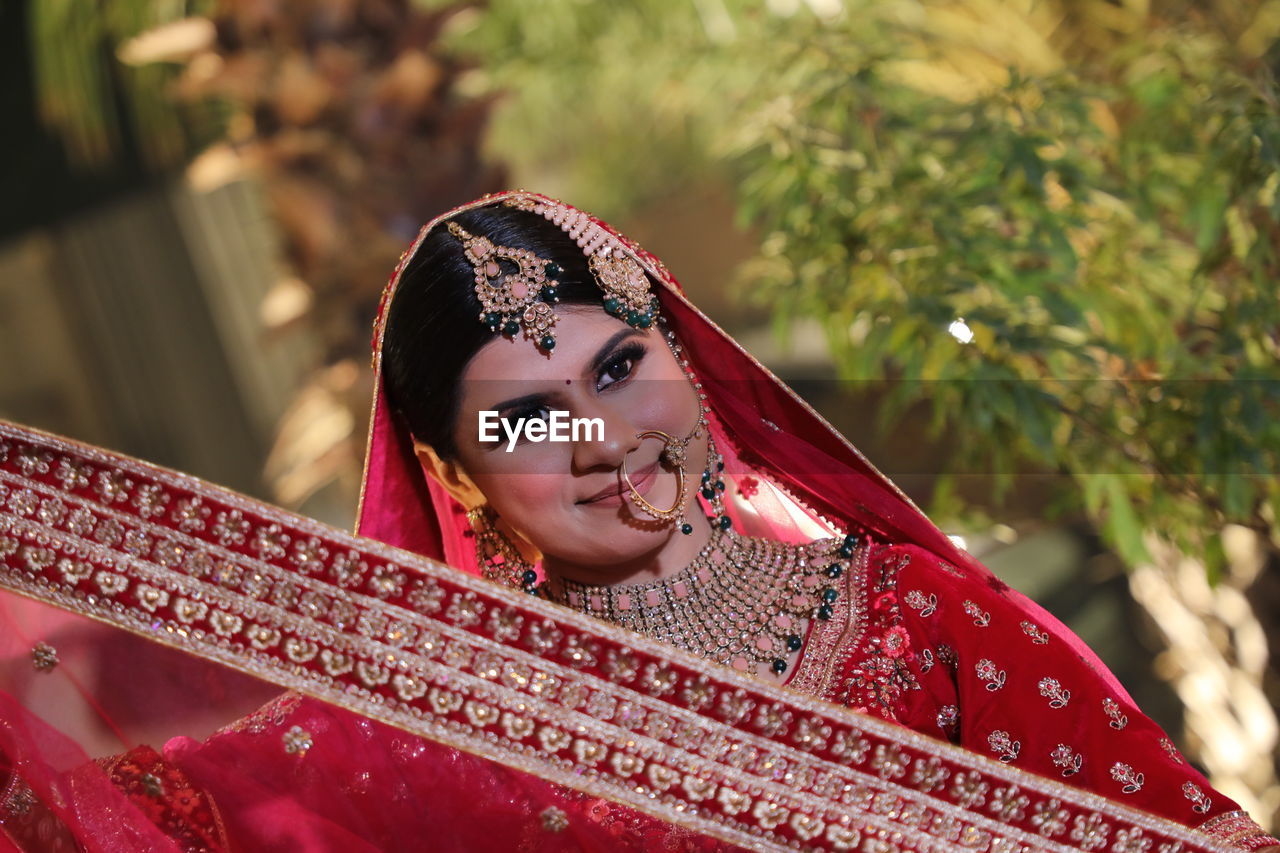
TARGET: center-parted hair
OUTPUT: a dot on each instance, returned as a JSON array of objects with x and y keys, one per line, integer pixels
[{"x": 433, "y": 323}]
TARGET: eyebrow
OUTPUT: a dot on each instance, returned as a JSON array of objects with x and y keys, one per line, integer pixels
[
  {"x": 596, "y": 363},
  {"x": 610, "y": 345},
  {"x": 520, "y": 402}
]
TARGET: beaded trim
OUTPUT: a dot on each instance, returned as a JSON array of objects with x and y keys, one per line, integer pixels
[{"x": 401, "y": 639}]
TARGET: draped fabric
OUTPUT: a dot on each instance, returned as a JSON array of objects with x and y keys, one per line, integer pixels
[{"x": 429, "y": 709}]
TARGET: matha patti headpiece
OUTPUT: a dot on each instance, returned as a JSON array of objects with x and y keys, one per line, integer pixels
[{"x": 512, "y": 300}]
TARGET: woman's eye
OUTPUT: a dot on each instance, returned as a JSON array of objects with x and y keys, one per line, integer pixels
[
  {"x": 540, "y": 413},
  {"x": 618, "y": 368}
]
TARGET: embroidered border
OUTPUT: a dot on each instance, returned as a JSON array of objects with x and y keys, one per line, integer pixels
[{"x": 443, "y": 655}]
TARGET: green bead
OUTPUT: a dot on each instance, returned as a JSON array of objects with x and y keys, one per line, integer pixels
[
  {"x": 612, "y": 305},
  {"x": 633, "y": 318},
  {"x": 686, "y": 528},
  {"x": 706, "y": 476},
  {"x": 829, "y": 595},
  {"x": 646, "y": 320},
  {"x": 779, "y": 666},
  {"x": 845, "y": 551},
  {"x": 825, "y": 612},
  {"x": 550, "y": 293},
  {"x": 529, "y": 578},
  {"x": 708, "y": 493},
  {"x": 725, "y": 523},
  {"x": 793, "y": 643},
  {"x": 719, "y": 485},
  {"x": 511, "y": 329},
  {"x": 493, "y": 321},
  {"x": 548, "y": 342},
  {"x": 834, "y": 570},
  {"x": 552, "y": 270},
  {"x": 850, "y": 540}
]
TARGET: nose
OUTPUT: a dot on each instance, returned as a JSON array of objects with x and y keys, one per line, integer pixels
[{"x": 619, "y": 438}]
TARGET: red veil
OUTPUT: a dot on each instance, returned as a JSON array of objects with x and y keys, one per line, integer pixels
[{"x": 428, "y": 708}]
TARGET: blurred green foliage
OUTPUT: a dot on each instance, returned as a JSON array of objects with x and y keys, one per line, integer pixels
[
  {"x": 1091, "y": 187},
  {"x": 104, "y": 108}
]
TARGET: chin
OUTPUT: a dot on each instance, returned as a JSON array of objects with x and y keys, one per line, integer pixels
[{"x": 620, "y": 541}]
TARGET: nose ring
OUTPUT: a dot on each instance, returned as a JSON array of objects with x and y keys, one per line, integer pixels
[{"x": 673, "y": 453}]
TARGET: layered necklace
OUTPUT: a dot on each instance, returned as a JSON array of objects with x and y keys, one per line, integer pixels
[{"x": 742, "y": 602}]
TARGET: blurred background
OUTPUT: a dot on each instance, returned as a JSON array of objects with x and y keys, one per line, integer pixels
[{"x": 1024, "y": 253}]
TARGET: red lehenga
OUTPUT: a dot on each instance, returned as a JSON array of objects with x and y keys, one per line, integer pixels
[{"x": 428, "y": 709}]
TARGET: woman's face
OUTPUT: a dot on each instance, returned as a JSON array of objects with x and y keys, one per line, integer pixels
[{"x": 568, "y": 497}]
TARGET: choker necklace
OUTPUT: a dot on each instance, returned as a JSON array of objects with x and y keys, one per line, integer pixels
[{"x": 742, "y": 602}]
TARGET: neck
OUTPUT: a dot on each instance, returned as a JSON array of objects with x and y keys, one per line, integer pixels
[{"x": 674, "y": 553}]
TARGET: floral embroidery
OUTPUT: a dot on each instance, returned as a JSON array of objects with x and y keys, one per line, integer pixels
[
  {"x": 31, "y": 461},
  {"x": 553, "y": 819},
  {"x": 851, "y": 747},
  {"x": 883, "y": 673},
  {"x": 150, "y": 500},
  {"x": 1009, "y": 803},
  {"x": 44, "y": 657},
  {"x": 297, "y": 741},
  {"x": 230, "y": 528},
  {"x": 113, "y": 487},
  {"x": 993, "y": 677},
  {"x": 889, "y": 762},
  {"x": 1200, "y": 802},
  {"x": 925, "y": 660},
  {"x": 1170, "y": 750},
  {"x": 981, "y": 618},
  {"x": 929, "y": 774},
  {"x": 947, "y": 655},
  {"x": 1112, "y": 709},
  {"x": 190, "y": 514},
  {"x": 1050, "y": 818},
  {"x": 1131, "y": 841},
  {"x": 73, "y": 474},
  {"x": 1125, "y": 775},
  {"x": 1091, "y": 832},
  {"x": 948, "y": 716},
  {"x": 1005, "y": 747},
  {"x": 1054, "y": 692},
  {"x": 969, "y": 790},
  {"x": 1068, "y": 759},
  {"x": 166, "y": 796},
  {"x": 1035, "y": 632},
  {"x": 917, "y": 600},
  {"x": 271, "y": 542}
]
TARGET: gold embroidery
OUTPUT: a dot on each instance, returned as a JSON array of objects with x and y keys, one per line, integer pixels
[{"x": 519, "y": 700}]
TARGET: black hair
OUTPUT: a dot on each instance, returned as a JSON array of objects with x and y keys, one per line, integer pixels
[{"x": 433, "y": 322}]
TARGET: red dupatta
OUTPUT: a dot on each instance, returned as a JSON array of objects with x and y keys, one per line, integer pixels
[{"x": 383, "y": 628}]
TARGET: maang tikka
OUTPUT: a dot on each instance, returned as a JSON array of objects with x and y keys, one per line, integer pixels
[{"x": 516, "y": 288}]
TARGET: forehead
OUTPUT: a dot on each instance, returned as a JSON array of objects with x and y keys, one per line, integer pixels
[{"x": 516, "y": 364}]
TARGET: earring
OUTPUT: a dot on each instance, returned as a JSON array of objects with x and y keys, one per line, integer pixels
[
  {"x": 712, "y": 486},
  {"x": 499, "y": 559}
]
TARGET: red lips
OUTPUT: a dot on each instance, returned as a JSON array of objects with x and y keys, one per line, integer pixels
[{"x": 640, "y": 479}]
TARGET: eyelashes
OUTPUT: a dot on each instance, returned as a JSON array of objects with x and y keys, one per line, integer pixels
[{"x": 620, "y": 366}]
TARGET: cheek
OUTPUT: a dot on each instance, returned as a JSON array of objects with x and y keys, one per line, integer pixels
[{"x": 524, "y": 500}]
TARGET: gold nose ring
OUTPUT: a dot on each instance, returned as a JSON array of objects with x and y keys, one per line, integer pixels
[{"x": 675, "y": 455}]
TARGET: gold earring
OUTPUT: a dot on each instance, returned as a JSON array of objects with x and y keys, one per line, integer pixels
[{"x": 498, "y": 557}]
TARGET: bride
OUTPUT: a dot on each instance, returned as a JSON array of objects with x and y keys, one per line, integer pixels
[{"x": 695, "y": 500}]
